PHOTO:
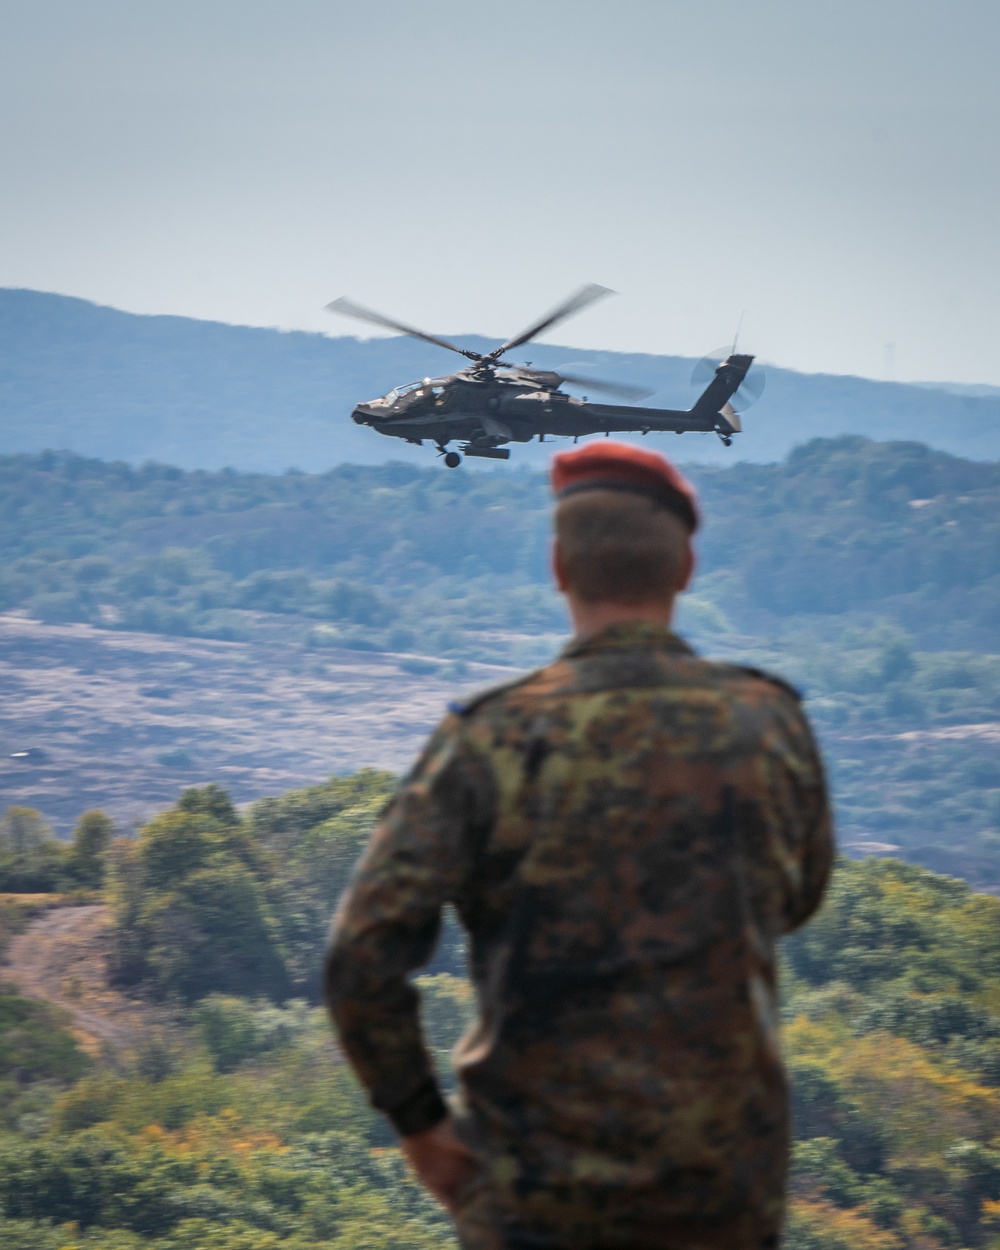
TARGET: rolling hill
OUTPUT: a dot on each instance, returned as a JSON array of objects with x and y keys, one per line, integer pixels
[{"x": 75, "y": 376}]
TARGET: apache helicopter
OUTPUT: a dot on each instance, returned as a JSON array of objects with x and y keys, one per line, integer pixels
[{"x": 487, "y": 404}]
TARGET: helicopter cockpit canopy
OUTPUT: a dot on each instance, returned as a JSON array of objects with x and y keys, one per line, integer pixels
[
  {"x": 430, "y": 386},
  {"x": 397, "y": 391}
]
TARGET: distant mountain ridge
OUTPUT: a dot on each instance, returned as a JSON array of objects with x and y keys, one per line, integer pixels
[{"x": 100, "y": 382}]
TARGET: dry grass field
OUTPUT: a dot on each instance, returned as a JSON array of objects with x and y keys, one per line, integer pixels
[{"x": 124, "y": 721}]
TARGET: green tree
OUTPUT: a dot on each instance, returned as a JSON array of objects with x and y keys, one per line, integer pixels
[
  {"x": 213, "y": 933},
  {"x": 192, "y": 906},
  {"x": 32, "y": 860},
  {"x": 23, "y": 830},
  {"x": 124, "y": 892},
  {"x": 315, "y": 837},
  {"x": 172, "y": 845},
  {"x": 896, "y": 663},
  {"x": 210, "y": 800},
  {"x": 93, "y": 835}
]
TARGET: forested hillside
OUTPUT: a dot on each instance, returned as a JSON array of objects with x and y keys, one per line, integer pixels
[
  {"x": 230, "y": 1123},
  {"x": 200, "y": 394},
  {"x": 868, "y": 573},
  {"x": 845, "y": 530}
]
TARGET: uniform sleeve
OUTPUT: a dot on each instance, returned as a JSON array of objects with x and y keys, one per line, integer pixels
[
  {"x": 388, "y": 922},
  {"x": 810, "y": 827}
]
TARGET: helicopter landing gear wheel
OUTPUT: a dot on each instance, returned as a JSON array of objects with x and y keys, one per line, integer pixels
[
  {"x": 452, "y": 459},
  {"x": 727, "y": 442}
]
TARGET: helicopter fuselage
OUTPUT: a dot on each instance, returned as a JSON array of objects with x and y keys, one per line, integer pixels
[
  {"x": 503, "y": 407},
  {"x": 488, "y": 404}
]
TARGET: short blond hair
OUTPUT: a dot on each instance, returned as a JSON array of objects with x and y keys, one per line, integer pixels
[{"x": 621, "y": 547}]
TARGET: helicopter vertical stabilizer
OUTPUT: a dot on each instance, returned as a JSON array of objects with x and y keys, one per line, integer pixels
[{"x": 726, "y": 382}]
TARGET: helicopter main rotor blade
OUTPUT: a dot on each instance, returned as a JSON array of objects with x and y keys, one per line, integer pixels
[
  {"x": 358, "y": 311},
  {"x": 625, "y": 389},
  {"x": 576, "y": 303}
]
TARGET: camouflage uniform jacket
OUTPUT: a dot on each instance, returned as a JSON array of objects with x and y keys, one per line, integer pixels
[{"x": 625, "y": 835}]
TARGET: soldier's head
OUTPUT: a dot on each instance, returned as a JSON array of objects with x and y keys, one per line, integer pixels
[{"x": 623, "y": 525}]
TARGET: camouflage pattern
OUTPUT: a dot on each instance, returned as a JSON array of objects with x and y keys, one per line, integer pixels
[{"x": 625, "y": 835}]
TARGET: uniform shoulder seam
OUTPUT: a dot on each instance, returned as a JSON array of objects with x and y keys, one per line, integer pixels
[
  {"x": 464, "y": 707},
  {"x": 772, "y": 678}
]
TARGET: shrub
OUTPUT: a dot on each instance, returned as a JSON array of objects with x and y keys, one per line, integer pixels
[
  {"x": 235, "y": 1030},
  {"x": 35, "y": 1043}
]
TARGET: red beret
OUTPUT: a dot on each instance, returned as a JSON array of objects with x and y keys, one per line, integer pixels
[{"x": 605, "y": 465}]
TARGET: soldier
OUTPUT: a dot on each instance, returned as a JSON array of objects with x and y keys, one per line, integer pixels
[{"x": 624, "y": 834}]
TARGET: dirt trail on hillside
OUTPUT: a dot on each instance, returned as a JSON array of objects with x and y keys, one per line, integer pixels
[{"x": 61, "y": 958}]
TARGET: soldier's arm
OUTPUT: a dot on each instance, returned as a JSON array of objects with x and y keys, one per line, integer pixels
[
  {"x": 388, "y": 923},
  {"x": 810, "y": 826}
]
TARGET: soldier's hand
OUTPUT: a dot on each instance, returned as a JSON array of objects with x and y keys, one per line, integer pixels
[{"x": 441, "y": 1160}]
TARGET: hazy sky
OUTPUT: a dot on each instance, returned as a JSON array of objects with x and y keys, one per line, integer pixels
[{"x": 832, "y": 168}]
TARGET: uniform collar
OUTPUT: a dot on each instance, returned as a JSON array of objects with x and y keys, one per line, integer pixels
[{"x": 628, "y": 636}]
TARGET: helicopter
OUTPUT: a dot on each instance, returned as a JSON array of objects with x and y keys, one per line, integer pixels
[{"x": 488, "y": 404}]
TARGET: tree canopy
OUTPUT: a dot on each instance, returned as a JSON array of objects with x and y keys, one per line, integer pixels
[
  {"x": 408, "y": 558},
  {"x": 239, "y": 1127}
]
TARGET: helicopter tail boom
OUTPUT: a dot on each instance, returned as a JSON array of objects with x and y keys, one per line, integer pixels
[{"x": 614, "y": 419}]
